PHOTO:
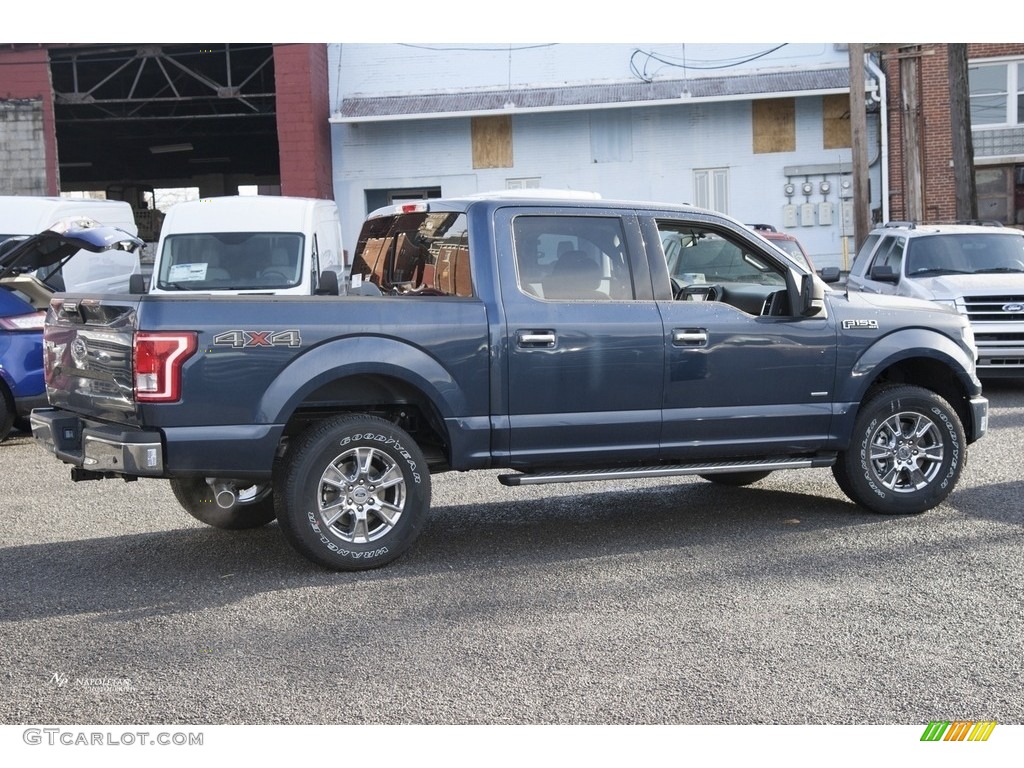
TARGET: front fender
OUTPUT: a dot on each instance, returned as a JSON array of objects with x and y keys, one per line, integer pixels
[
  {"x": 907, "y": 344},
  {"x": 920, "y": 354}
]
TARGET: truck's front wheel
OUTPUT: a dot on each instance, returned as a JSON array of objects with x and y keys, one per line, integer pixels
[
  {"x": 907, "y": 452},
  {"x": 353, "y": 493},
  {"x": 224, "y": 504}
]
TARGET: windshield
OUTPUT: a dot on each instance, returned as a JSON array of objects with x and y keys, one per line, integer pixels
[
  {"x": 231, "y": 261},
  {"x": 792, "y": 247},
  {"x": 965, "y": 254}
]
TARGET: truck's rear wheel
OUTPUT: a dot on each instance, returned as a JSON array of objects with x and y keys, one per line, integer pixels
[
  {"x": 907, "y": 452},
  {"x": 225, "y": 504},
  {"x": 353, "y": 493}
]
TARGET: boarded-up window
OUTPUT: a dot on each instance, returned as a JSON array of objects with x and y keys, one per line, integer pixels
[
  {"x": 774, "y": 125},
  {"x": 492, "y": 141},
  {"x": 835, "y": 121}
]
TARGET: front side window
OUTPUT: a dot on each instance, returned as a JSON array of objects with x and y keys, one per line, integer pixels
[
  {"x": 710, "y": 264},
  {"x": 890, "y": 254},
  {"x": 863, "y": 256},
  {"x": 425, "y": 253},
  {"x": 572, "y": 258},
  {"x": 698, "y": 255}
]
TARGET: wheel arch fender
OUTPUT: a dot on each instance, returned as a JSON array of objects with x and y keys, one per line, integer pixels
[
  {"x": 918, "y": 356},
  {"x": 353, "y": 357}
]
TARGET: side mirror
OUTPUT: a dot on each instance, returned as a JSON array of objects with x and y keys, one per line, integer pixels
[
  {"x": 328, "y": 284},
  {"x": 812, "y": 296},
  {"x": 137, "y": 283},
  {"x": 830, "y": 274},
  {"x": 884, "y": 273}
]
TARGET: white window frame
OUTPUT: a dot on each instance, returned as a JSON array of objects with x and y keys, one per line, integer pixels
[
  {"x": 1014, "y": 87},
  {"x": 532, "y": 182},
  {"x": 711, "y": 189}
]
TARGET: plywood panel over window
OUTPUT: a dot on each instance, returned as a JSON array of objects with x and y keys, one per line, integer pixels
[
  {"x": 774, "y": 122},
  {"x": 492, "y": 141},
  {"x": 835, "y": 121}
]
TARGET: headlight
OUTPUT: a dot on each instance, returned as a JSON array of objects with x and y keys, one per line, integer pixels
[{"x": 949, "y": 304}]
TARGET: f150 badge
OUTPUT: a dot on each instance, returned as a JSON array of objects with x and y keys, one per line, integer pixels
[
  {"x": 239, "y": 339},
  {"x": 860, "y": 325}
]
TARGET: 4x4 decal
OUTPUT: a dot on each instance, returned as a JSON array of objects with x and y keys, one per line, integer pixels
[{"x": 239, "y": 339}]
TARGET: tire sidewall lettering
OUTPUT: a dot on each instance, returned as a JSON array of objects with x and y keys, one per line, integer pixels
[
  {"x": 386, "y": 440},
  {"x": 340, "y": 551}
]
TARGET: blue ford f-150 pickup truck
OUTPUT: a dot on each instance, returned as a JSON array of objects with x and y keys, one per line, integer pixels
[{"x": 564, "y": 340}]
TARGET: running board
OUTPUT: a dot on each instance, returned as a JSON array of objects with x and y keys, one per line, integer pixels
[{"x": 665, "y": 470}]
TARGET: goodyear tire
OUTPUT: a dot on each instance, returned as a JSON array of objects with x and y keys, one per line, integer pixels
[
  {"x": 251, "y": 507},
  {"x": 737, "y": 479},
  {"x": 352, "y": 493},
  {"x": 906, "y": 455}
]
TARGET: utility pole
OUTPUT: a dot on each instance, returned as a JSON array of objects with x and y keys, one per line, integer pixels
[
  {"x": 858, "y": 138},
  {"x": 960, "y": 126}
]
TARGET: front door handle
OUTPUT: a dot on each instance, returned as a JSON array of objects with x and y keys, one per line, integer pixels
[
  {"x": 536, "y": 339},
  {"x": 689, "y": 337}
]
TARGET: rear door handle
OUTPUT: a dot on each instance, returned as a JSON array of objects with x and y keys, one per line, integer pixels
[
  {"x": 536, "y": 339},
  {"x": 689, "y": 337}
]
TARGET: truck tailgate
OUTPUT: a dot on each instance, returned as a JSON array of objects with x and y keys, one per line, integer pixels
[{"x": 87, "y": 348}]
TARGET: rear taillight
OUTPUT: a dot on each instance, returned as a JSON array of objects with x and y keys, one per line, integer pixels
[
  {"x": 30, "y": 322},
  {"x": 158, "y": 361}
]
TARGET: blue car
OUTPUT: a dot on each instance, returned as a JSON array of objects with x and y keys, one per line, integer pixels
[{"x": 29, "y": 266}]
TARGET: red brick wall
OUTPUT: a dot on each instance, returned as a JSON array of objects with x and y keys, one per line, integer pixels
[
  {"x": 304, "y": 134},
  {"x": 936, "y": 135},
  {"x": 25, "y": 74}
]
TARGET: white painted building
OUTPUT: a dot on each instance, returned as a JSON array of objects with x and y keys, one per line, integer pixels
[{"x": 758, "y": 131}]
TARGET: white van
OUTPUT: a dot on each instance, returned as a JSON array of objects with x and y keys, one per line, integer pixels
[
  {"x": 108, "y": 272},
  {"x": 248, "y": 244}
]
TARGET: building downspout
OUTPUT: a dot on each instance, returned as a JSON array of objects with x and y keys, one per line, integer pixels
[{"x": 884, "y": 134}]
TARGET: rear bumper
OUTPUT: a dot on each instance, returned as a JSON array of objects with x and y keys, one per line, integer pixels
[
  {"x": 25, "y": 405},
  {"x": 98, "y": 447}
]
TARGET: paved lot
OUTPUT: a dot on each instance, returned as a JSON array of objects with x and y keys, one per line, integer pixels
[{"x": 634, "y": 602}]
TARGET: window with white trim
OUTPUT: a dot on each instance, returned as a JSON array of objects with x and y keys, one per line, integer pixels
[
  {"x": 711, "y": 189},
  {"x": 996, "y": 93}
]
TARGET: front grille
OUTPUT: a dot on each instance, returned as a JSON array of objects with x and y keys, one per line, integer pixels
[{"x": 993, "y": 309}]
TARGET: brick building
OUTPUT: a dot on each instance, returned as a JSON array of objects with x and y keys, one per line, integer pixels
[
  {"x": 921, "y": 181},
  {"x": 211, "y": 116}
]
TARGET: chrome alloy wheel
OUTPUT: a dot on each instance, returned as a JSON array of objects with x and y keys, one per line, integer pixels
[
  {"x": 362, "y": 495},
  {"x": 907, "y": 452}
]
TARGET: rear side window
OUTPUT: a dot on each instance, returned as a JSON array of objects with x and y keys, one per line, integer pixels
[
  {"x": 414, "y": 254},
  {"x": 572, "y": 258}
]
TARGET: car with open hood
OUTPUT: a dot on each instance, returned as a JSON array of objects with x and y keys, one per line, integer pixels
[{"x": 25, "y": 261}]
